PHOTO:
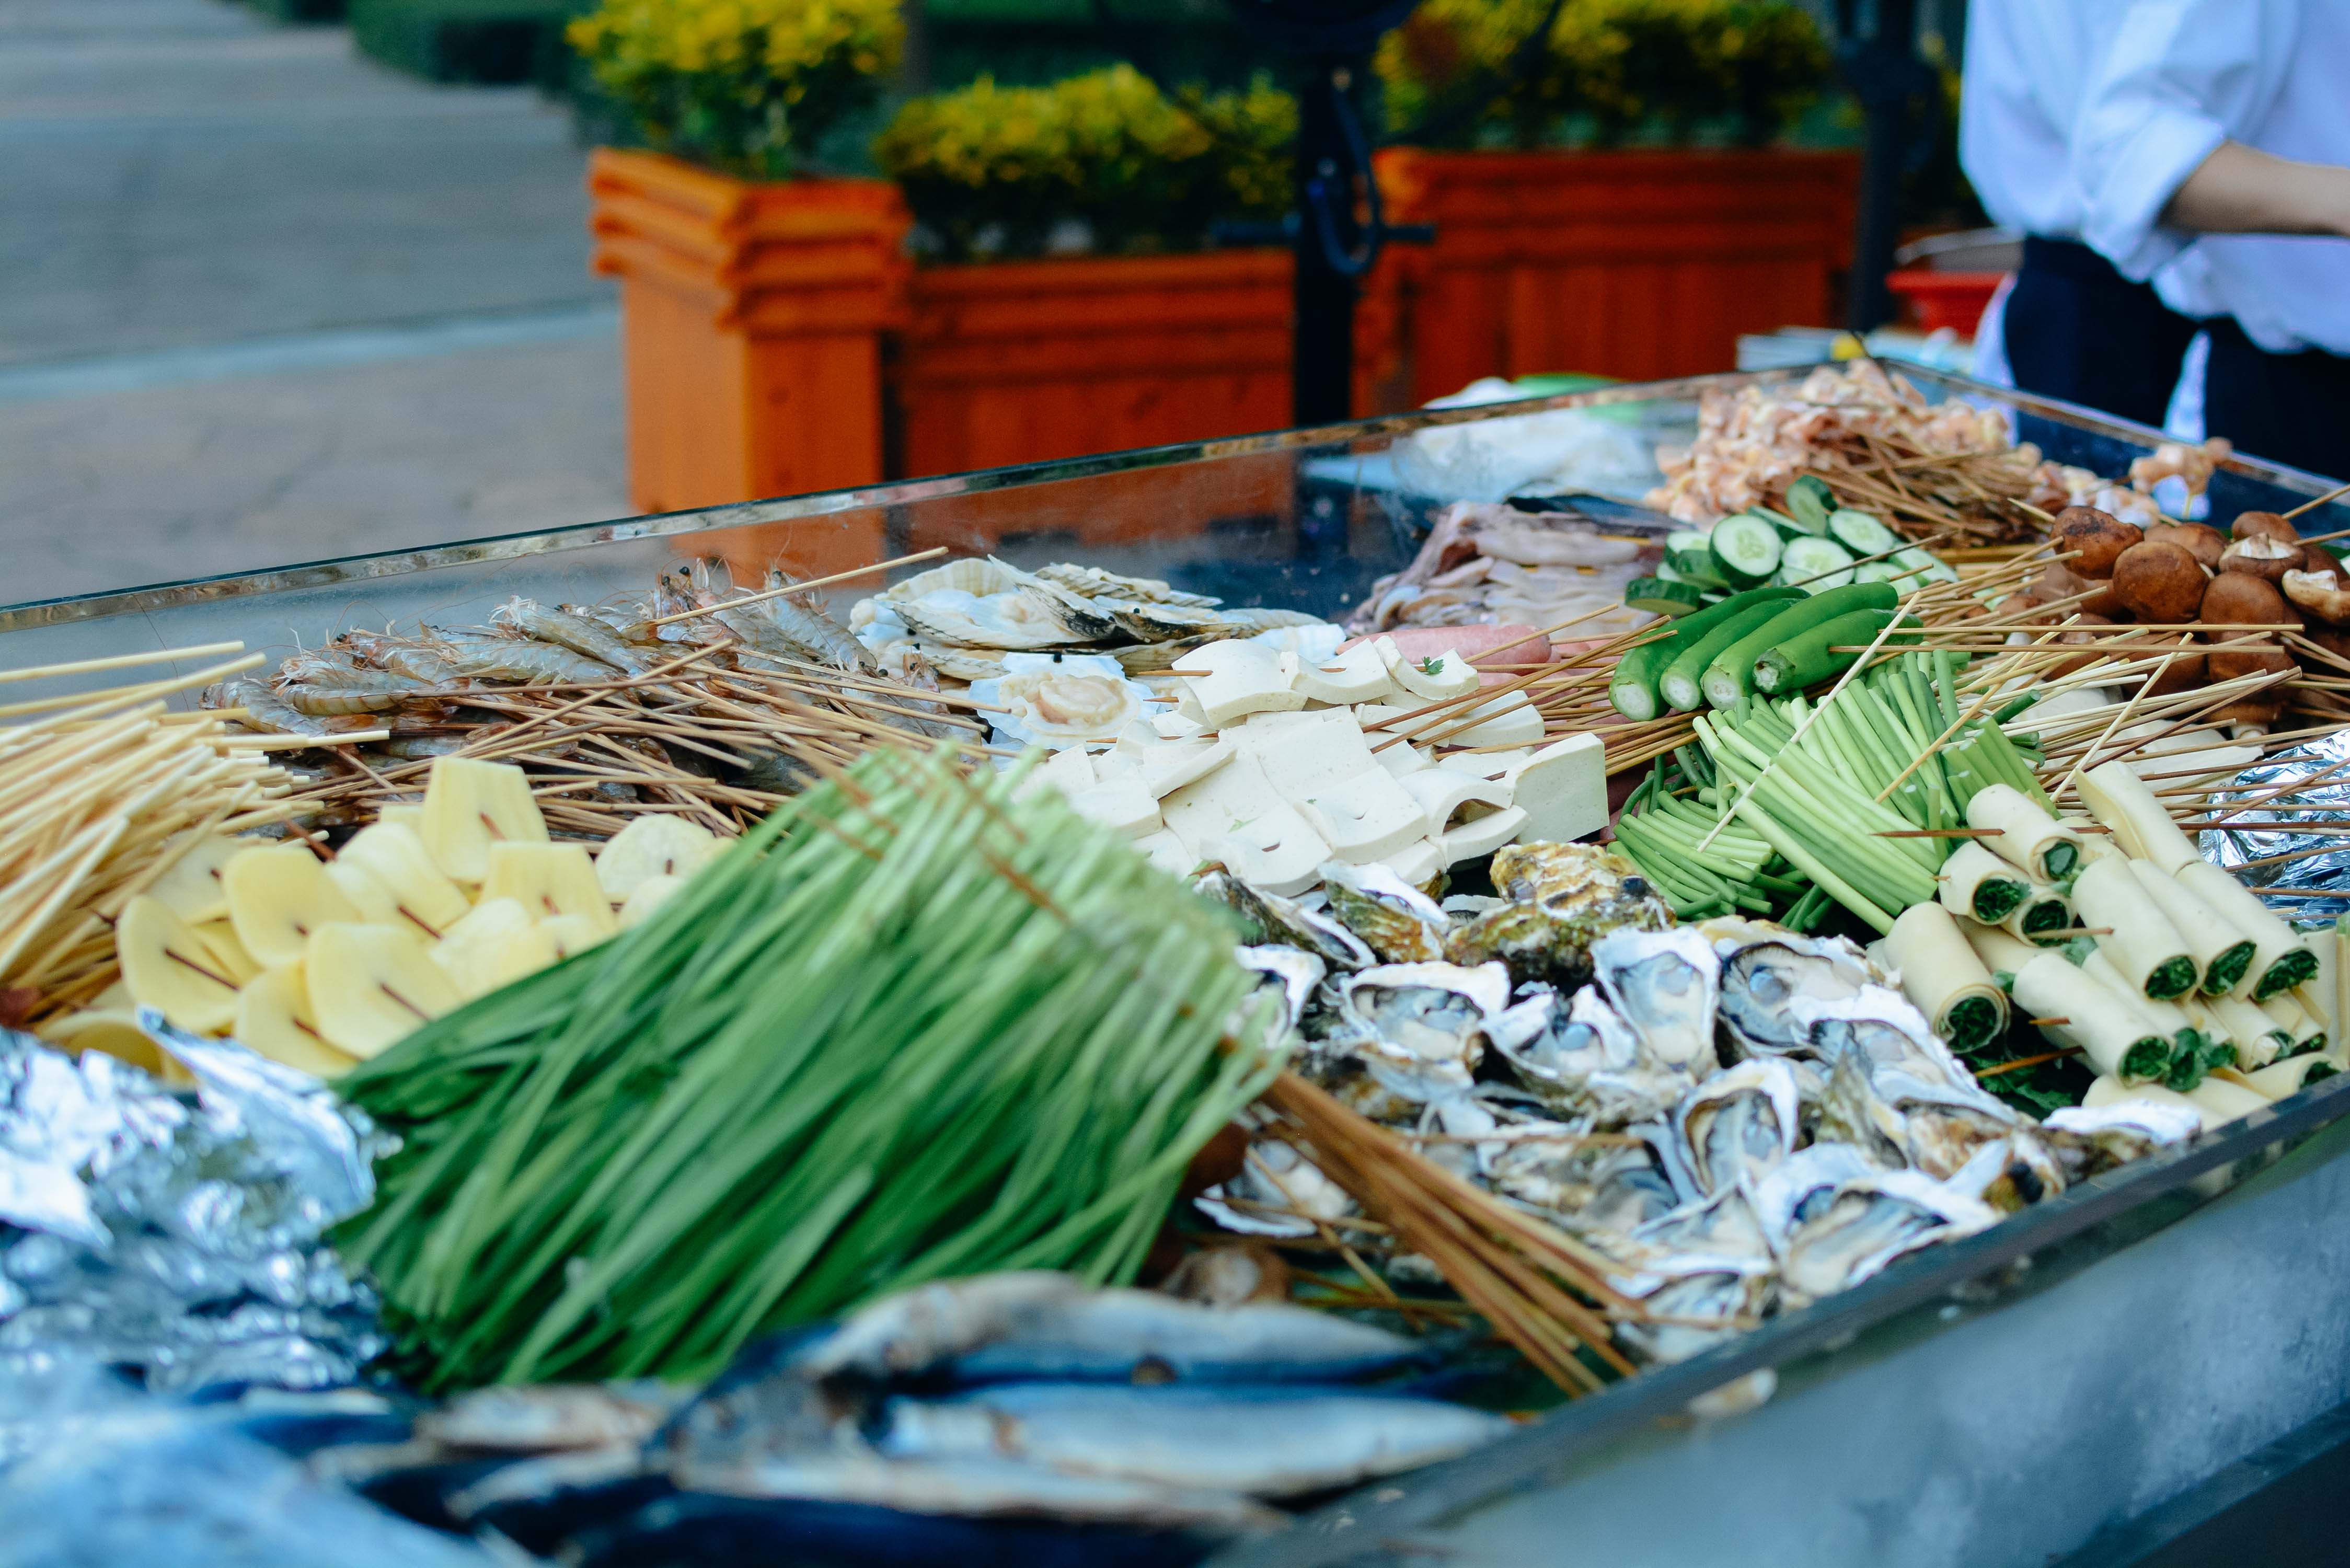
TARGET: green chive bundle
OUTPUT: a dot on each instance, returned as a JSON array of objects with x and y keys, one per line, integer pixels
[{"x": 908, "y": 1028}]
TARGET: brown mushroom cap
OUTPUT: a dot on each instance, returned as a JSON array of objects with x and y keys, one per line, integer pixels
[
  {"x": 2336, "y": 643},
  {"x": 2238, "y": 598},
  {"x": 2084, "y": 634},
  {"x": 2206, "y": 544},
  {"x": 2058, "y": 582},
  {"x": 2261, "y": 556},
  {"x": 2260, "y": 708},
  {"x": 2098, "y": 537},
  {"x": 2185, "y": 673},
  {"x": 2320, "y": 594},
  {"x": 2159, "y": 583},
  {"x": 2263, "y": 526},
  {"x": 2259, "y": 658}
]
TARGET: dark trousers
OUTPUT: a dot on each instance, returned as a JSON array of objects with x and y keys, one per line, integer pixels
[
  {"x": 2077, "y": 330},
  {"x": 2288, "y": 408}
]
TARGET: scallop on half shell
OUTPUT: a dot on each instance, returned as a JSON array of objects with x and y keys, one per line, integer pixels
[{"x": 1057, "y": 701}]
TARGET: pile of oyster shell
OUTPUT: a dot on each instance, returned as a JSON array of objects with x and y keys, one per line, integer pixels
[
  {"x": 1745, "y": 1119},
  {"x": 963, "y": 617}
]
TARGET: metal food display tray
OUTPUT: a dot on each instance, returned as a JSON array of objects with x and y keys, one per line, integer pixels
[{"x": 1996, "y": 1400}]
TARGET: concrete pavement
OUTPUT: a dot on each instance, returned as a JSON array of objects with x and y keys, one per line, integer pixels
[{"x": 265, "y": 302}]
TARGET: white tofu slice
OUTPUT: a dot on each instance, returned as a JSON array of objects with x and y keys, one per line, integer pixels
[
  {"x": 1175, "y": 724},
  {"x": 1368, "y": 817},
  {"x": 1070, "y": 771},
  {"x": 1168, "y": 767},
  {"x": 1482, "y": 836},
  {"x": 1121, "y": 804},
  {"x": 1442, "y": 791},
  {"x": 1356, "y": 675},
  {"x": 1562, "y": 789},
  {"x": 1303, "y": 754},
  {"x": 1277, "y": 850},
  {"x": 1230, "y": 681},
  {"x": 1485, "y": 764},
  {"x": 1167, "y": 852},
  {"x": 1434, "y": 679},
  {"x": 1417, "y": 861},
  {"x": 1401, "y": 758},
  {"x": 1509, "y": 720},
  {"x": 1213, "y": 804}
]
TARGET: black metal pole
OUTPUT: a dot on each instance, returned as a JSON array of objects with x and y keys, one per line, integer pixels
[
  {"x": 1884, "y": 73},
  {"x": 1323, "y": 359}
]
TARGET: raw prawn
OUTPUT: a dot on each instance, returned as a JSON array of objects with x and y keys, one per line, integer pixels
[{"x": 489, "y": 658}]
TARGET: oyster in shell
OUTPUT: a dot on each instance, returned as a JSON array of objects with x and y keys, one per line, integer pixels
[
  {"x": 1802, "y": 1184},
  {"x": 1887, "y": 1030},
  {"x": 1699, "y": 1299},
  {"x": 1723, "y": 1226},
  {"x": 1280, "y": 920},
  {"x": 1420, "y": 1027},
  {"x": 1400, "y": 922},
  {"x": 1292, "y": 972},
  {"x": 2089, "y": 1140},
  {"x": 1852, "y": 1111},
  {"x": 1736, "y": 1127},
  {"x": 1947, "y": 1126},
  {"x": 1589, "y": 1064},
  {"x": 1563, "y": 897},
  {"x": 1761, "y": 978},
  {"x": 1611, "y": 1186},
  {"x": 1663, "y": 984},
  {"x": 1279, "y": 1192},
  {"x": 1869, "y": 1222}
]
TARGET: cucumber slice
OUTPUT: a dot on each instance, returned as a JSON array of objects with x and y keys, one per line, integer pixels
[
  {"x": 1686, "y": 539},
  {"x": 1861, "y": 534},
  {"x": 1785, "y": 523},
  {"x": 1747, "y": 549},
  {"x": 1697, "y": 566},
  {"x": 1877, "y": 572},
  {"x": 1816, "y": 564},
  {"x": 1936, "y": 571},
  {"x": 1661, "y": 596},
  {"x": 1809, "y": 501}
]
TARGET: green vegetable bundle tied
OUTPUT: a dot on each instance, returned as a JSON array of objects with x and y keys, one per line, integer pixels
[{"x": 911, "y": 1027}]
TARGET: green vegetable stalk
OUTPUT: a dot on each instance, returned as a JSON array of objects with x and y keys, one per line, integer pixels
[{"x": 911, "y": 1027}]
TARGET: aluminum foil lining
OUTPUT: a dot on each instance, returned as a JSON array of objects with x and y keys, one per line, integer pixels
[
  {"x": 2314, "y": 772},
  {"x": 179, "y": 1234}
]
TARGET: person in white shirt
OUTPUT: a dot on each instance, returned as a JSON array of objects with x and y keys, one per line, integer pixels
[
  {"x": 2211, "y": 154},
  {"x": 2071, "y": 325}
]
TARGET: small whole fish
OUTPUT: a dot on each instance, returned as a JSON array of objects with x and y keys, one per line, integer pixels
[
  {"x": 1048, "y": 1325},
  {"x": 1263, "y": 1442}
]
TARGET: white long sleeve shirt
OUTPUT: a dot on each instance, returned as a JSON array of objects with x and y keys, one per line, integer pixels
[
  {"x": 2178, "y": 78},
  {"x": 2028, "y": 70}
]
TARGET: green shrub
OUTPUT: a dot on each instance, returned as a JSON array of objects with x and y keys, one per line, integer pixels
[
  {"x": 1610, "y": 69},
  {"x": 747, "y": 87},
  {"x": 993, "y": 171}
]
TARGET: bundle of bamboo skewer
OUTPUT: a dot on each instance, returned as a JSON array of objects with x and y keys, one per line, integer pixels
[
  {"x": 1541, "y": 1289},
  {"x": 101, "y": 794}
]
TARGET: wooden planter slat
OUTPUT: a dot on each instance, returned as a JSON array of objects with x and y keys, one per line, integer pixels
[{"x": 1640, "y": 265}]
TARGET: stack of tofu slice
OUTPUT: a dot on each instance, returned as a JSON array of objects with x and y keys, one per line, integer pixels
[{"x": 1274, "y": 765}]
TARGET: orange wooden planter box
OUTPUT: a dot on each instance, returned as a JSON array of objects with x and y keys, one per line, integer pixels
[
  {"x": 1639, "y": 264},
  {"x": 752, "y": 320}
]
